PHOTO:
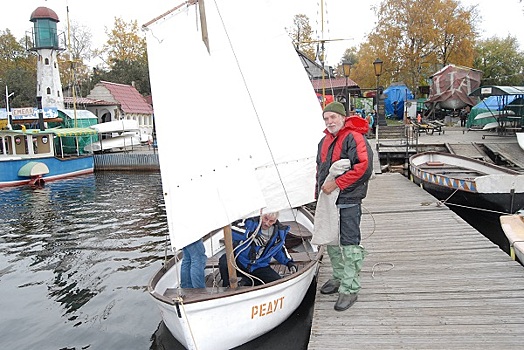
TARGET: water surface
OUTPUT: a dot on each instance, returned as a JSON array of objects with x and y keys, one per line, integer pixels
[{"x": 75, "y": 260}]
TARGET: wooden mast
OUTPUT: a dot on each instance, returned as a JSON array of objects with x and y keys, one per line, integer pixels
[{"x": 228, "y": 241}]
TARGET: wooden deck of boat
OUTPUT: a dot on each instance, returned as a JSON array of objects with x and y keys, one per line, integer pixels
[{"x": 430, "y": 281}]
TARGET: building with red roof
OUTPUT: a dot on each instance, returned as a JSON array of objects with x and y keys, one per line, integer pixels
[{"x": 113, "y": 101}]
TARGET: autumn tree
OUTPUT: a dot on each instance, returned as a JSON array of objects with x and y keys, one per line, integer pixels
[
  {"x": 17, "y": 71},
  {"x": 414, "y": 38},
  {"x": 125, "y": 55},
  {"x": 301, "y": 34},
  {"x": 125, "y": 43},
  {"x": 500, "y": 60}
]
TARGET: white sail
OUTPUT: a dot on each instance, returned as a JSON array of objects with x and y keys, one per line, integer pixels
[{"x": 228, "y": 118}]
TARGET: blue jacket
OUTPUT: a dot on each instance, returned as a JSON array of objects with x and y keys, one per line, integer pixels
[{"x": 274, "y": 247}]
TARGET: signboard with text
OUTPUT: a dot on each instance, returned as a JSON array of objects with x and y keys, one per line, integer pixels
[{"x": 27, "y": 113}]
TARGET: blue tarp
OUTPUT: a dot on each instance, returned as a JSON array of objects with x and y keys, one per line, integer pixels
[{"x": 396, "y": 94}]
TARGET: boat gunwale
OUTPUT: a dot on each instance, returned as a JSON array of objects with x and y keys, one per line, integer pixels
[
  {"x": 211, "y": 293},
  {"x": 467, "y": 160}
]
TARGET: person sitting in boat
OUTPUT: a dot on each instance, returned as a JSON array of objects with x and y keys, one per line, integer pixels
[{"x": 262, "y": 239}]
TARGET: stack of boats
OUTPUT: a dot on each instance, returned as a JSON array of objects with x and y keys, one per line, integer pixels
[
  {"x": 116, "y": 135},
  {"x": 494, "y": 114}
]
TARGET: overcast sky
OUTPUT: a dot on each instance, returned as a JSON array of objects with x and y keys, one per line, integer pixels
[{"x": 500, "y": 17}]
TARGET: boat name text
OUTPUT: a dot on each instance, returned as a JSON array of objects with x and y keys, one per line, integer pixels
[{"x": 267, "y": 308}]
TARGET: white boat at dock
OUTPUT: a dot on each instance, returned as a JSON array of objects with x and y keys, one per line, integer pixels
[{"x": 468, "y": 182}]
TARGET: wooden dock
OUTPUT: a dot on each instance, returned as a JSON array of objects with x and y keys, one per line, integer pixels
[
  {"x": 127, "y": 161},
  {"x": 430, "y": 281}
]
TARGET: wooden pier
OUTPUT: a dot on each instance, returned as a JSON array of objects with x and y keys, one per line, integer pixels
[
  {"x": 430, "y": 281},
  {"x": 127, "y": 161}
]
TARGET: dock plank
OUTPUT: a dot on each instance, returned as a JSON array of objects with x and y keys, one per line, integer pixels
[
  {"x": 429, "y": 281},
  {"x": 471, "y": 150},
  {"x": 511, "y": 152}
]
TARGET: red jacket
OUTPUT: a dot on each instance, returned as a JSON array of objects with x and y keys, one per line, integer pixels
[{"x": 350, "y": 143}]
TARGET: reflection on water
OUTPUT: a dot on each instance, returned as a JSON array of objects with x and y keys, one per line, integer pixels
[{"x": 75, "y": 260}]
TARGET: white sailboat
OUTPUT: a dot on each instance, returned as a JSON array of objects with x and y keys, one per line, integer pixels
[{"x": 237, "y": 127}]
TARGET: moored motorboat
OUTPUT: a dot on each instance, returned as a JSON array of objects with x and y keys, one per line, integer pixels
[
  {"x": 468, "y": 182},
  {"x": 35, "y": 156}
]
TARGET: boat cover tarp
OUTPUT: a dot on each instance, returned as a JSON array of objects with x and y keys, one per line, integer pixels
[
  {"x": 396, "y": 94},
  {"x": 496, "y": 98},
  {"x": 451, "y": 87}
]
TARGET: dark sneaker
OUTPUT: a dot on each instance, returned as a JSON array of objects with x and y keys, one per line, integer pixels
[
  {"x": 330, "y": 287},
  {"x": 345, "y": 301}
]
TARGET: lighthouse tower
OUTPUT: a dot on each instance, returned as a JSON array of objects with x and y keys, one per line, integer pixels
[{"x": 45, "y": 39}]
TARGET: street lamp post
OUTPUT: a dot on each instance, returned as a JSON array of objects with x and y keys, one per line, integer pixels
[
  {"x": 377, "y": 65},
  {"x": 346, "y": 66}
]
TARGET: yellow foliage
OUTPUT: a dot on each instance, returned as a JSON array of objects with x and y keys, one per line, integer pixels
[{"x": 415, "y": 38}]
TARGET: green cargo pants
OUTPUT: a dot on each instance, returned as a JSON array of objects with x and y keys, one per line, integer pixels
[{"x": 347, "y": 261}]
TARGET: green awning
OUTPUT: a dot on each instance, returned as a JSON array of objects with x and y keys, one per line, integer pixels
[{"x": 73, "y": 132}]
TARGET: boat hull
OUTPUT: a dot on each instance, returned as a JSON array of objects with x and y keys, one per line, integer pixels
[
  {"x": 497, "y": 189},
  {"x": 494, "y": 114},
  {"x": 452, "y": 103},
  {"x": 520, "y": 139},
  {"x": 215, "y": 324},
  {"x": 213, "y": 320},
  {"x": 58, "y": 169},
  {"x": 122, "y": 142},
  {"x": 116, "y": 126},
  {"x": 513, "y": 228},
  {"x": 500, "y": 202}
]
